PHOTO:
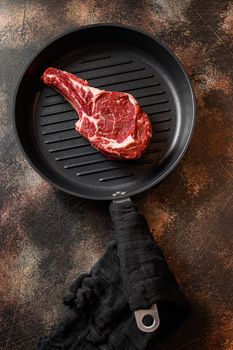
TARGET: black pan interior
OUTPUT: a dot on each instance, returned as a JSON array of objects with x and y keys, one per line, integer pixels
[{"x": 112, "y": 58}]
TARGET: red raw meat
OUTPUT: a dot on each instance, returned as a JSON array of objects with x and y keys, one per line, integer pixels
[{"x": 113, "y": 122}]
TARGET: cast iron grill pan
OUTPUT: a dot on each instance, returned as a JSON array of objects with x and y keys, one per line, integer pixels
[{"x": 113, "y": 58}]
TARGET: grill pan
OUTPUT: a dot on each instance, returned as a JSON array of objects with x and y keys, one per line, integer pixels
[
  {"x": 110, "y": 57},
  {"x": 117, "y": 58}
]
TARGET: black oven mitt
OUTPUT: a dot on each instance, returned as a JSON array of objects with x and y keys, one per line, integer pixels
[{"x": 132, "y": 274}]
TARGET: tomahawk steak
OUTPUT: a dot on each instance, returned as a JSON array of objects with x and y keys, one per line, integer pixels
[{"x": 113, "y": 122}]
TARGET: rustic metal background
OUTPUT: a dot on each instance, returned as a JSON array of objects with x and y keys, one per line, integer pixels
[{"x": 48, "y": 237}]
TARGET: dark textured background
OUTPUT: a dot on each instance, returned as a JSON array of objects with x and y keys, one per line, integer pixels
[{"x": 48, "y": 237}]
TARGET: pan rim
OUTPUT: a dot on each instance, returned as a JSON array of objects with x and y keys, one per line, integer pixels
[{"x": 143, "y": 188}]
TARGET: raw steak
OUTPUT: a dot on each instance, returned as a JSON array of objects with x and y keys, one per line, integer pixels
[{"x": 113, "y": 122}]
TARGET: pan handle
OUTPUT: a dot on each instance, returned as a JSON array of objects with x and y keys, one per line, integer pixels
[
  {"x": 131, "y": 229},
  {"x": 141, "y": 315}
]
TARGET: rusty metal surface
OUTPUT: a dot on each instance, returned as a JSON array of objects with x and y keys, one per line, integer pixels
[{"x": 48, "y": 237}]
